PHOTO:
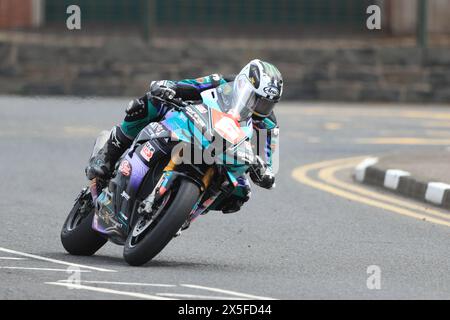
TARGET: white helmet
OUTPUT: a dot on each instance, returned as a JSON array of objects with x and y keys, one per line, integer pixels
[{"x": 268, "y": 85}]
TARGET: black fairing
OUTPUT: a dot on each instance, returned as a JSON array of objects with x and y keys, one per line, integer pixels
[{"x": 126, "y": 197}]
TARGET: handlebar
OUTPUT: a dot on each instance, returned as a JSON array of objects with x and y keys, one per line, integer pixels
[{"x": 177, "y": 103}]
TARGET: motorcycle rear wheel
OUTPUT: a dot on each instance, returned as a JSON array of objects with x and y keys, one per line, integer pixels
[{"x": 77, "y": 235}]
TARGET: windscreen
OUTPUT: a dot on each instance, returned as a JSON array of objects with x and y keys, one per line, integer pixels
[{"x": 237, "y": 98}]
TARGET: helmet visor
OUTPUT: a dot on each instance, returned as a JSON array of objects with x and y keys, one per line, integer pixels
[
  {"x": 243, "y": 98},
  {"x": 264, "y": 107}
]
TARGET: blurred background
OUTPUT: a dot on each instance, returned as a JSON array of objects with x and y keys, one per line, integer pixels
[{"x": 323, "y": 47}]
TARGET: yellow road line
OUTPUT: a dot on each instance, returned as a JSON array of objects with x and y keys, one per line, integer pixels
[
  {"x": 436, "y": 124},
  {"x": 367, "y": 112},
  {"x": 335, "y": 116},
  {"x": 81, "y": 131},
  {"x": 403, "y": 140},
  {"x": 328, "y": 175},
  {"x": 425, "y": 115},
  {"x": 321, "y": 164},
  {"x": 301, "y": 175},
  {"x": 438, "y": 133},
  {"x": 331, "y": 126}
]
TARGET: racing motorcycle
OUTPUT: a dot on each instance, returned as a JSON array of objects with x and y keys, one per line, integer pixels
[{"x": 154, "y": 193}]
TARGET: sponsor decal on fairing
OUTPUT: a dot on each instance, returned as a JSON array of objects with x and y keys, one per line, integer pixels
[
  {"x": 125, "y": 168},
  {"x": 147, "y": 151}
]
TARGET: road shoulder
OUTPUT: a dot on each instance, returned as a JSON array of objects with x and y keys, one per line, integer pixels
[{"x": 424, "y": 176}]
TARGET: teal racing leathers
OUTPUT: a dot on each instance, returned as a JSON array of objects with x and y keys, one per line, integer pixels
[{"x": 140, "y": 112}]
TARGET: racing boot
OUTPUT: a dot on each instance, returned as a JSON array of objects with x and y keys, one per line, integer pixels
[
  {"x": 237, "y": 199},
  {"x": 102, "y": 164}
]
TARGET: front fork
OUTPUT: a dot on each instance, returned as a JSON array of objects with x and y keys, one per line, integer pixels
[
  {"x": 165, "y": 183},
  {"x": 202, "y": 206},
  {"x": 94, "y": 190}
]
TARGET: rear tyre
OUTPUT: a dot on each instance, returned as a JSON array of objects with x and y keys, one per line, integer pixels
[
  {"x": 154, "y": 237},
  {"x": 77, "y": 235}
]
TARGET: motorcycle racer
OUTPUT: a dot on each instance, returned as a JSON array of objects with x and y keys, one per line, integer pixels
[{"x": 268, "y": 87}]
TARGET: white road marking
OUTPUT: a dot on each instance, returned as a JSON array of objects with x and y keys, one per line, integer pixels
[
  {"x": 40, "y": 269},
  {"x": 54, "y": 260},
  {"x": 166, "y": 294},
  {"x": 233, "y": 293},
  {"x": 195, "y": 296},
  {"x": 110, "y": 291},
  {"x": 127, "y": 283},
  {"x": 12, "y": 258}
]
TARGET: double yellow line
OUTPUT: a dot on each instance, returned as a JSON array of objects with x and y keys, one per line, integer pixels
[{"x": 326, "y": 181}]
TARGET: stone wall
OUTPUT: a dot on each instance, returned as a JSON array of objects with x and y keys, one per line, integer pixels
[{"x": 120, "y": 68}]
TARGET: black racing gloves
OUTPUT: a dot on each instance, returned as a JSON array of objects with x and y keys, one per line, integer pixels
[
  {"x": 262, "y": 175},
  {"x": 164, "y": 89}
]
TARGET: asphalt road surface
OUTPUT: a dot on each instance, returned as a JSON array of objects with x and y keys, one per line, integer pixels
[{"x": 315, "y": 236}]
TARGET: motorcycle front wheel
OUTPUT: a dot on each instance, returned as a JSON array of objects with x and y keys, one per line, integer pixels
[{"x": 148, "y": 237}]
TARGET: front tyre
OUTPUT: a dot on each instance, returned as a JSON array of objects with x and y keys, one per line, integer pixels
[
  {"x": 77, "y": 235},
  {"x": 145, "y": 241}
]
